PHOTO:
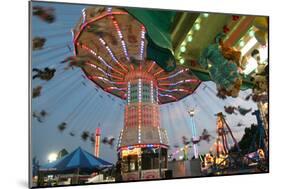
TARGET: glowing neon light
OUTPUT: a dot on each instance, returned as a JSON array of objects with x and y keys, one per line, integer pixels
[
  {"x": 175, "y": 90},
  {"x": 142, "y": 41},
  {"x": 179, "y": 82},
  {"x": 120, "y": 37},
  {"x": 139, "y": 109},
  {"x": 104, "y": 72},
  {"x": 120, "y": 138},
  {"x": 149, "y": 69},
  {"x": 167, "y": 95},
  {"x": 84, "y": 15},
  {"x": 157, "y": 73},
  {"x": 139, "y": 120},
  {"x": 111, "y": 54},
  {"x": 100, "y": 58},
  {"x": 129, "y": 92},
  {"x": 140, "y": 90},
  {"x": 173, "y": 75},
  {"x": 142, "y": 146},
  {"x": 114, "y": 88}
]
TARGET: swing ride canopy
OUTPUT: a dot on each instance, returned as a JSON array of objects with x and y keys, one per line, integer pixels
[{"x": 115, "y": 45}]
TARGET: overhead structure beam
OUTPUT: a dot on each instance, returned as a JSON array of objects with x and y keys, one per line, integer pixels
[
  {"x": 238, "y": 32},
  {"x": 184, "y": 24}
]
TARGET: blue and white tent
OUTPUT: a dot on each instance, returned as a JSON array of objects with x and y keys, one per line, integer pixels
[{"x": 78, "y": 159}]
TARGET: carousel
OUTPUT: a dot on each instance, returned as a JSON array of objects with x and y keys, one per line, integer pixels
[{"x": 116, "y": 61}]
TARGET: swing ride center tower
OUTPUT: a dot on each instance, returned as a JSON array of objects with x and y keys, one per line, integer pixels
[{"x": 113, "y": 46}]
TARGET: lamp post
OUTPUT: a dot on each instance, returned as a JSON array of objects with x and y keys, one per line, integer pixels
[{"x": 191, "y": 113}]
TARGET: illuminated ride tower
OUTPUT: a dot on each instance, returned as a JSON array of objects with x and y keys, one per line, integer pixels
[
  {"x": 195, "y": 138},
  {"x": 225, "y": 134},
  {"x": 111, "y": 47},
  {"x": 97, "y": 142},
  {"x": 222, "y": 144}
]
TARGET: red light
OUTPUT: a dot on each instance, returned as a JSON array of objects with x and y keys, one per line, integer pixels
[{"x": 98, "y": 131}]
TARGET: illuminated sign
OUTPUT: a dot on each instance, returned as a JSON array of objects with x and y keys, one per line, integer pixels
[{"x": 134, "y": 151}]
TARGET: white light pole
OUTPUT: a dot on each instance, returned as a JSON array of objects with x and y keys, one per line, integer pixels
[{"x": 195, "y": 138}]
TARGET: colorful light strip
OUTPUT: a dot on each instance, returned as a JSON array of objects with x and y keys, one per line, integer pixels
[
  {"x": 149, "y": 69},
  {"x": 142, "y": 41},
  {"x": 111, "y": 54},
  {"x": 179, "y": 82},
  {"x": 142, "y": 146},
  {"x": 167, "y": 95},
  {"x": 139, "y": 109},
  {"x": 139, "y": 120},
  {"x": 108, "y": 49},
  {"x": 151, "y": 91},
  {"x": 114, "y": 88},
  {"x": 173, "y": 75},
  {"x": 120, "y": 138},
  {"x": 104, "y": 72},
  {"x": 116, "y": 25},
  {"x": 84, "y": 15},
  {"x": 159, "y": 72},
  {"x": 139, "y": 90},
  {"x": 100, "y": 58},
  {"x": 175, "y": 90},
  {"x": 129, "y": 92}
]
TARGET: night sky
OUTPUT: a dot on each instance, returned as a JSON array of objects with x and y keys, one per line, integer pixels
[{"x": 66, "y": 99}]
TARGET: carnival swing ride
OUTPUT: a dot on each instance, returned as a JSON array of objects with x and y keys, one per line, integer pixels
[{"x": 117, "y": 51}]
